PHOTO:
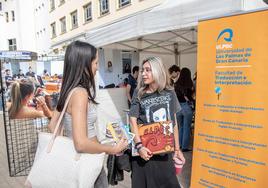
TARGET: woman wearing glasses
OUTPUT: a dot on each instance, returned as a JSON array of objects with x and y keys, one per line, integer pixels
[{"x": 154, "y": 101}]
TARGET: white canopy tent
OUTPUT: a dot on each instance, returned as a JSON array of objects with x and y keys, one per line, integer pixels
[{"x": 169, "y": 28}]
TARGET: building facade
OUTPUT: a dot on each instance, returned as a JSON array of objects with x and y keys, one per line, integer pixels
[
  {"x": 24, "y": 29},
  {"x": 42, "y": 32},
  {"x": 15, "y": 15},
  {"x": 24, "y": 26},
  {"x": 71, "y": 19}
]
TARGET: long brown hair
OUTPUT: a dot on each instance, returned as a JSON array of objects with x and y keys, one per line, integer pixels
[
  {"x": 77, "y": 71},
  {"x": 19, "y": 90}
]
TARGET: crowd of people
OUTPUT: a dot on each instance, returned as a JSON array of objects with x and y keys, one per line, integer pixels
[
  {"x": 146, "y": 84},
  {"x": 26, "y": 96}
]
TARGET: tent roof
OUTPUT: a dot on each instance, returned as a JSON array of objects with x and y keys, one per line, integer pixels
[{"x": 162, "y": 25}]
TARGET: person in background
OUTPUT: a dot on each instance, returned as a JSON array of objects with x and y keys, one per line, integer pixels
[
  {"x": 109, "y": 66},
  {"x": 20, "y": 75},
  {"x": 174, "y": 72},
  {"x": 154, "y": 100},
  {"x": 123, "y": 84},
  {"x": 194, "y": 82},
  {"x": 30, "y": 73},
  {"x": 184, "y": 90},
  {"x": 132, "y": 83},
  {"x": 8, "y": 78},
  {"x": 22, "y": 92},
  {"x": 55, "y": 77},
  {"x": 127, "y": 68},
  {"x": 45, "y": 73},
  {"x": 80, "y": 67}
]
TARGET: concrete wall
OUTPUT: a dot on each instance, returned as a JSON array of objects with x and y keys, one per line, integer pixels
[
  {"x": 42, "y": 28},
  {"x": 26, "y": 28}
]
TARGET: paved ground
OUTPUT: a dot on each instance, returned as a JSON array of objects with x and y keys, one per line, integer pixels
[{"x": 18, "y": 182}]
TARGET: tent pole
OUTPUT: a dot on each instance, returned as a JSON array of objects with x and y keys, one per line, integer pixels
[
  {"x": 179, "y": 57},
  {"x": 176, "y": 53}
]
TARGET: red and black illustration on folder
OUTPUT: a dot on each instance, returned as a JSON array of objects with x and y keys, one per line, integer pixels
[{"x": 158, "y": 137}]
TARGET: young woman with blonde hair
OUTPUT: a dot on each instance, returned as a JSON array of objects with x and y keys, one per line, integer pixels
[
  {"x": 154, "y": 101},
  {"x": 21, "y": 93}
]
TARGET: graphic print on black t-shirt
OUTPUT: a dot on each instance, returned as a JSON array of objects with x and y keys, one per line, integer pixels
[{"x": 157, "y": 108}]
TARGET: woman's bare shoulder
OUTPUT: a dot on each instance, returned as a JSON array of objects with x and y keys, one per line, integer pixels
[
  {"x": 80, "y": 94},
  {"x": 28, "y": 112}
]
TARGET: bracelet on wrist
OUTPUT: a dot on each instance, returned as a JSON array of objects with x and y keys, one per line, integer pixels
[
  {"x": 139, "y": 148},
  {"x": 138, "y": 144}
]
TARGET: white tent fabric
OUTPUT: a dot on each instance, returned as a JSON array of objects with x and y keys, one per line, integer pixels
[{"x": 170, "y": 15}]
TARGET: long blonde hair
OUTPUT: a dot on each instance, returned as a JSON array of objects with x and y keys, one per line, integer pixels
[
  {"x": 159, "y": 74},
  {"x": 19, "y": 90}
]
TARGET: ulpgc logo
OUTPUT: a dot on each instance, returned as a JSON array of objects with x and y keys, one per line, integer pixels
[{"x": 225, "y": 35}]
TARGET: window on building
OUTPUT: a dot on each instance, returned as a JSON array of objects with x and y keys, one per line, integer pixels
[
  {"x": 74, "y": 19},
  {"x": 12, "y": 45},
  {"x": 63, "y": 25},
  {"x": 6, "y": 16},
  {"x": 104, "y": 6},
  {"x": 87, "y": 12},
  {"x": 52, "y": 5},
  {"x": 124, "y": 2},
  {"x": 0, "y": 6},
  {"x": 62, "y": 2},
  {"x": 13, "y": 15},
  {"x": 53, "y": 30}
]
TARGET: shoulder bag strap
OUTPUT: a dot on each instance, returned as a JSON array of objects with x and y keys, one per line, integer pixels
[{"x": 58, "y": 125}]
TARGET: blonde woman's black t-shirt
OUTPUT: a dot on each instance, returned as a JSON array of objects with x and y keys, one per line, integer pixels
[{"x": 154, "y": 107}]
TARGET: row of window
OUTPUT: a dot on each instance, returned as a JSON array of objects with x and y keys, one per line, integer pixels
[
  {"x": 41, "y": 32},
  {"x": 104, "y": 5},
  {"x": 104, "y": 8},
  {"x": 52, "y": 4},
  {"x": 74, "y": 20},
  {"x": 39, "y": 7},
  {"x": 12, "y": 16}
]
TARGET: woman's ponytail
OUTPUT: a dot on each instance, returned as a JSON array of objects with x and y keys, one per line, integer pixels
[{"x": 16, "y": 100}]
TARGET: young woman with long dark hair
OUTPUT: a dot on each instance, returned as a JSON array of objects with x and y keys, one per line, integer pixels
[{"x": 80, "y": 66}]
